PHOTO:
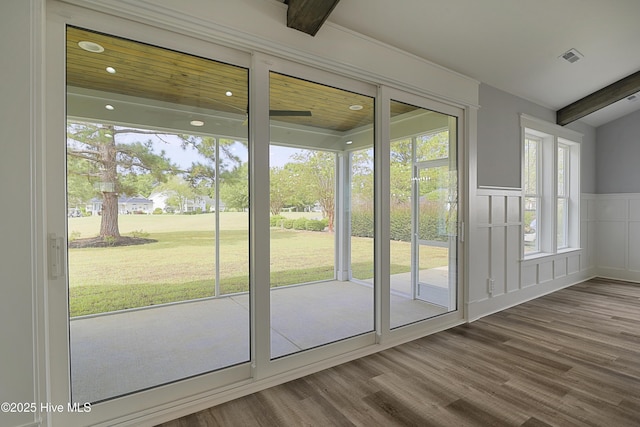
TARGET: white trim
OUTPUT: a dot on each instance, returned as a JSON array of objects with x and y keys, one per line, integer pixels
[
  {"x": 38, "y": 212},
  {"x": 486, "y": 190},
  {"x": 550, "y": 136},
  {"x": 488, "y": 306},
  {"x": 537, "y": 257},
  {"x": 535, "y": 123}
]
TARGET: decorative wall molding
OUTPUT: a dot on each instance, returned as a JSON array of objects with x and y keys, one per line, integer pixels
[
  {"x": 616, "y": 220},
  {"x": 499, "y": 277}
]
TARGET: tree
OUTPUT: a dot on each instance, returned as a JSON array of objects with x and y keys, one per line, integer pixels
[
  {"x": 362, "y": 178},
  {"x": 79, "y": 186},
  {"x": 100, "y": 153},
  {"x": 179, "y": 192},
  {"x": 319, "y": 174},
  {"x": 280, "y": 188},
  {"x": 234, "y": 188},
  {"x": 234, "y": 173}
]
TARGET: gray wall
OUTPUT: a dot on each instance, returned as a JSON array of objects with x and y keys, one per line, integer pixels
[
  {"x": 587, "y": 156},
  {"x": 16, "y": 264},
  {"x": 499, "y": 144},
  {"x": 618, "y": 154}
]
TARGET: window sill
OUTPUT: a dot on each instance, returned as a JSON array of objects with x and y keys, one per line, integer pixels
[{"x": 546, "y": 256}]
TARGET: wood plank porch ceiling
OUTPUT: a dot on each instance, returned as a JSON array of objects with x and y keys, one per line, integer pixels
[{"x": 159, "y": 74}]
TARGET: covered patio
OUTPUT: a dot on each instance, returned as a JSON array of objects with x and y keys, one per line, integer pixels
[{"x": 123, "y": 352}]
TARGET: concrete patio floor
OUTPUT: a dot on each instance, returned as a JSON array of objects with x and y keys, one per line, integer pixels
[{"x": 124, "y": 352}]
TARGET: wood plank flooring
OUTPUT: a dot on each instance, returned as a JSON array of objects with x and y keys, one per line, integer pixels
[{"x": 571, "y": 358}]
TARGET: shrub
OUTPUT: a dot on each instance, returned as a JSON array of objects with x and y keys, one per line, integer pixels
[
  {"x": 157, "y": 211},
  {"x": 139, "y": 233},
  {"x": 300, "y": 224},
  {"x": 362, "y": 223},
  {"x": 287, "y": 223},
  {"x": 75, "y": 235},
  {"x": 400, "y": 220},
  {"x": 276, "y": 220},
  {"x": 315, "y": 225},
  {"x": 431, "y": 225}
]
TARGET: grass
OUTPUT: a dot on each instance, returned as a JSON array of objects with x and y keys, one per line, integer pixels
[{"x": 181, "y": 265}]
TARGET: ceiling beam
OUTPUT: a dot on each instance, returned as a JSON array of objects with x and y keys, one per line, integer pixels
[
  {"x": 308, "y": 15},
  {"x": 599, "y": 99}
]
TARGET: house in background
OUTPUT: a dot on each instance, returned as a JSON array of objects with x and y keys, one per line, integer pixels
[
  {"x": 126, "y": 205},
  {"x": 197, "y": 204},
  {"x": 517, "y": 82}
]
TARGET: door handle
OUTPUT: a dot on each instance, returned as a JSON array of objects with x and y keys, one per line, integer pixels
[{"x": 54, "y": 255}]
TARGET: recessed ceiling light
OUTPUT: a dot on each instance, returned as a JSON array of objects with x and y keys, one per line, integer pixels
[
  {"x": 355, "y": 107},
  {"x": 110, "y": 70},
  {"x": 228, "y": 93},
  {"x": 196, "y": 123},
  {"x": 349, "y": 142},
  {"x": 91, "y": 46},
  {"x": 109, "y": 107}
]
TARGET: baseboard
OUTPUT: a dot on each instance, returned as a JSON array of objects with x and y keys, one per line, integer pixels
[
  {"x": 491, "y": 305},
  {"x": 616, "y": 274}
]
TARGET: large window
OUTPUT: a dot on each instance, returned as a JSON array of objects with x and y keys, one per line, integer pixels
[
  {"x": 551, "y": 188},
  {"x": 562, "y": 218},
  {"x": 532, "y": 195}
]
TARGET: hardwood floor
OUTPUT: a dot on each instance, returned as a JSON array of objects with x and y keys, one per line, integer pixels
[{"x": 571, "y": 358}]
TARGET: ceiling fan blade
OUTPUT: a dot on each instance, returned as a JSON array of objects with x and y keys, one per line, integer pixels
[
  {"x": 284, "y": 113},
  {"x": 289, "y": 113}
]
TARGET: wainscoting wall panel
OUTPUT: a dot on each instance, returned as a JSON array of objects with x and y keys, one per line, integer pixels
[
  {"x": 499, "y": 277},
  {"x": 588, "y": 226},
  {"x": 617, "y": 232}
]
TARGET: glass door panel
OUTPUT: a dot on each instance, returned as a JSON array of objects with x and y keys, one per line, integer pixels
[
  {"x": 424, "y": 214},
  {"x": 321, "y": 202},
  {"x": 157, "y": 215},
  {"x": 436, "y": 234}
]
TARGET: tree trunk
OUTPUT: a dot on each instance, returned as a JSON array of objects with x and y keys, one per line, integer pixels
[
  {"x": 108, "y": 178},
  {"x": 331, "y": 218},
  {"x": 109, "y": 223}
]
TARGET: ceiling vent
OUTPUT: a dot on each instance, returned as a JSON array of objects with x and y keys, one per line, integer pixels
[{"x": 571, "y": 56}]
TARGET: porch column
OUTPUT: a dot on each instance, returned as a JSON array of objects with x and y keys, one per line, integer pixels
[{"x": 343, "y": 216}]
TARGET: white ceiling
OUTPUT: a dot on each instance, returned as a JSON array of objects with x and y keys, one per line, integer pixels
[{"x": 514, "y": 45}]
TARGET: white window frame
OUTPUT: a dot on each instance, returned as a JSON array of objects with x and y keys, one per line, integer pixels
[
  {"x": 537, "y": 195},
  {"x": 564, "y": 195},
  {"x": 552, "y": 136}
]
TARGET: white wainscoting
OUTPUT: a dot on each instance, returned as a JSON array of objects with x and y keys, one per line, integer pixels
[
  {"x": 499, "y": 277},
  {"x": 617, "y": 219}
]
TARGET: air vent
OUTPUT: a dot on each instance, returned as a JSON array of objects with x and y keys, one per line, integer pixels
[{"x": 571, "y": 56}]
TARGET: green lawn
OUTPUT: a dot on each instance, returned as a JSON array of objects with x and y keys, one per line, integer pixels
[{"x": 181, "y": 264}]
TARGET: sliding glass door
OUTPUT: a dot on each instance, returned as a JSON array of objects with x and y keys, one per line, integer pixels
[
  {"x": 157, "y": 198},
  {"x": 215, "y": 236},
  {"x": 423, "y": 214},
  {"x": 321, "y": 179}
]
